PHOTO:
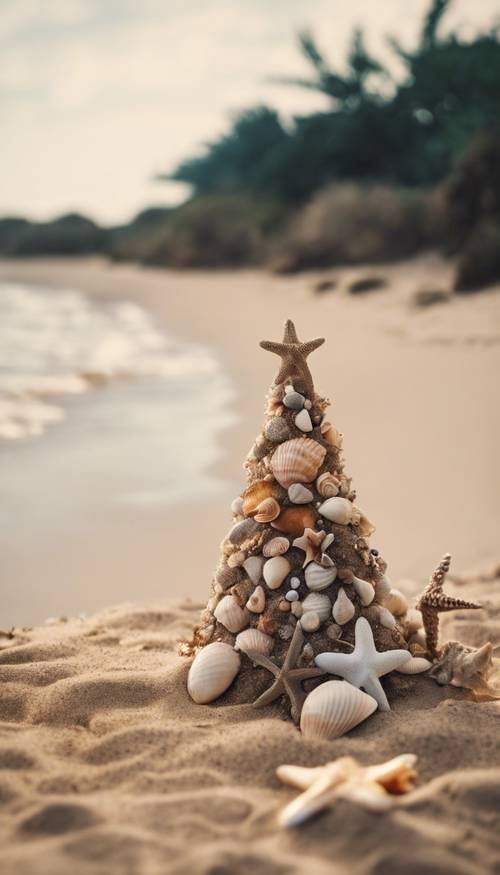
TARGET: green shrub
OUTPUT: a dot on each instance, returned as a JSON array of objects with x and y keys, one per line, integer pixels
[
  {"x": 68, "y": 235},
  {"x": 479, "y": 260}
]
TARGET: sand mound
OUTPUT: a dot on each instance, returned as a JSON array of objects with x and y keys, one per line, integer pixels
[{"x": 106, "y": 766}]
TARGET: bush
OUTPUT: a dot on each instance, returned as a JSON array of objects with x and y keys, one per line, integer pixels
[
  {"x": 479, "y": 261},
  {"x": 134, "y": 242},
  {"x": 69, "y": 235}
]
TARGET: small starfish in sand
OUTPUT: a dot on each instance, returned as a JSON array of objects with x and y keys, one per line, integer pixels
[
  {"x": 434, "y": 601},
  {"x": 293, "y": 355},
  {"x": 288, "y": 678},
  {"x": 310, "y": 543},
  {"x": 373, "y": 787}
]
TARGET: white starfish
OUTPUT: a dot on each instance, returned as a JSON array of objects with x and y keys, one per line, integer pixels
[{"x": 365, "y": 665}]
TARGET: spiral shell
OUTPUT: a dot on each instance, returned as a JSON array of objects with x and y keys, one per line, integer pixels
[
  {"x": 363, "y": 524},
  {"x": 231, "y": 615},
  {"x": 293, "y": 520},
  {"x": 364, "y": 590},
  {"x": 275, "y": 547},
  {"x": 318, "y": 578},
  {"x": 318, "y": 602},
  {"x": 334, "y": 708},
  {"x": 337, "y": 510},
  {"x": 253, "y": 567},
  {"x": 297, "y": 461},
  {"x": 275, "y": 570},
  {"x": 327, "y": 485},
  {"x": 254, "y": 640},
  {"x": 415, "y": 665},
  {"x": 267, "y": 510},
  {"x": 257, "y": 601},
  {"x": 343, "y": 609},
  {"x": 331, "y": 435},
  {"x": 299, "y": 494},
  {"x": 212, "y": 671}
]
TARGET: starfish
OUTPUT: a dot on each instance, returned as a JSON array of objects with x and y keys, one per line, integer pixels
[
  {"x": 287, "y": 679},
  {"x": 434, "y": 601},
  {"x": 373, "y": 787},
  {"x": 310, "y": 543},
  {"x": 365, "y": 665},
  {"x": 293, "y": 355}
]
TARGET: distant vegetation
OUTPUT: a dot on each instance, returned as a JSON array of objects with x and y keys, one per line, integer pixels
[{"x": 391, "y": 167}]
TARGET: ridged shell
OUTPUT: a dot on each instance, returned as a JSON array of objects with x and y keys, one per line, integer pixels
[
  {"x": 275, "y": 547},
  {"x": 343, "y": 609},
  {"x": 365, "y": 591},
  {"x": 275, "y": 570},
  {"x": 237, "y": 506},
  {"x": 299, "y": 494},
  {"x": 310, "y": 621},
  {"x": 319, "y": 602},
  {"x": 231, "y": 615},
  {"x": 256, "y": 493},
  {"x": 293, "y": 520},
  {"x": 334, "y": 708},
  {"x": 318, "y": 578},
  {"x": 277, "y": 430},
  {"x": 363, "y": 524},
  {"x": 297, "y": 461},
  {"x": 303, "y": 421},
  {"x": 327, "y": 485},
  {"x": 267, "y": 510},
  {"x": 257, "y": 601},
  {"x": 415, "y": 665},
  {"x": 253, "y": 639},
  {"x": 337, "y": 510},
  {"x": 241, "y": 531},
  {"x": 212, "y": 671},
  {"x": 396, "y": 603},
  {"x": 253, "y": 567}
]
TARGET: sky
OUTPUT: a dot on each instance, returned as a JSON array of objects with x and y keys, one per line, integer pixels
[{"x": 97, "y": 97}]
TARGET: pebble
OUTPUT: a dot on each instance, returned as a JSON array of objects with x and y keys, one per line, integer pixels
[
  {"x": 294, "y": 401},
  {"x": 294, "y": 582},
  {"x": 292, "y": 596},
  {"x": 297, "y": 609}
]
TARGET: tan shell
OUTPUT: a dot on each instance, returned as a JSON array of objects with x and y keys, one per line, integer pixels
[
  {"x": 257, "y": 601},
  {"x": 382, "y": 588},
  {"x": 253, "y": 567},
  {"x": 319, "y": 602},
  {"x": 255, "y": 494},
  {"x": 337, "y": 510},
  {"x": 275, "y": 570},
  {"x": 327, "y": 485},
  {"x": 310, "y": 621},
  {"x": 231, "y": 615},
  {"x": 297, "y": 461},
  {"x": 396, "y": 603},
  {"x": 212, "y": 671},
  {"x": 386, "y": 619},
  {"x": 343, "y": 609},
  {"x": 299, "y": 494},
  {"x": 415, "y": 665},
  {"x": 364, "y": 590},
  {"x": 303, "y": 420},
  {"x": 334, "y": 708},
  {"x": 267, "y": 510},
  {"x": 363, "y": 524},
  {"x": 254, "y": 639},
  {"x": 293, "y": 520},
  {"x": 275, "y": 547},
  {"x": 331, "y": 435},
  {"x": 318, "y": 578}
]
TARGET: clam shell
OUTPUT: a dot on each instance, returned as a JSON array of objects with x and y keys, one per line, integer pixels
[
  {"x": 275, "y": 570},
  {"x": 386, "y": 619},
  {"x": 343, "y": 609},
  {"x": 327, "y": 485},
  {"x": 415, "y": 665},
  {"x": 310, "y": 621},
  {"x": 297, "y": 461},
  {"x": 303, "y": 421},
  {"x": 293, "y": 520},
  {"x": 267, "y": 510},
  {"x": 257, "y": 601},
  {"x": 365, "y": 591},
  {"x": 253, "y": 567},
  {"x": 212, "y": 671},
  {"x": 337, "y": 510},
  {"x": 293, "y": 400},
  {"x": 334, "y": 708},
  {"x": 277, "y": 430},
  {"x": 299, "y": 494},
  {"x": 396, "y": 603},
  {"x": 275, "y": 547},
  {"x": 231, "y": 615},
  {"x": 254, "y": 640},
  {"x": 255, "y": 494},
  {"x": 318, "y": 602},
  {"x": 241, "y": 531},
  {"x": 318, "y": 578}
]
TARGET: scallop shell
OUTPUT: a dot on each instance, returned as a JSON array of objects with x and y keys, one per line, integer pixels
[
  {"x": 275, "y": 547},
  {"x": 275, "y": 570},
  {"x": 310, "y": 621},
  {"x": 267, "y": 510},
  {"x": 303, "y": 421},
  {"x": 229, "y": 613},
  {"x": 212, "y": 671},
  {"x": 253, "y": 567},
  {"x": 334, "y": 708},
  {"x": 337, "y": 510},
  {"x": 297, "y": 461},
  {"x": 415, "y": 665},
  {"x": 255, "y": 494},
  {"x": 396, "y": 603},
  {"x": 254, "y": 640},
  {"x": 318, "y": 602},
  {"x": 293, "y": 520},
  {"x": 277, "y": 430},
  {"x": 257, "y": 601},
  {"x": 318, "y": 578},
  {"x": 327, "y": 485},
  {"x": 343, "y": 609},
  {"x": 299, "y": 494},
  {"x": 365, "y": 591}
]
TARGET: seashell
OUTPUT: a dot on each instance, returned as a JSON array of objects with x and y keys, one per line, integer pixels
[
  {"x": 230, "y": 615},
  {"x": 363, "y": 524},
  {"x": 343, "y": 609},
  {"x": 257, "y": 601},
  {"x": 236, "y": 559},
  {"x": 413, "y": 621},
  {"x": 327, "y": 485},
  {"x": 334, "y": 708},
  {"x": 226, "y": 576},
  {"x": 275, "y": 547},
  {"x": 303, "y": 421},
  {"x": 254, "y": 640},
  {"x": 326, "y": 561},
  {"x": 253, "y": 567},
  {"x": 241, "y": 531},
  {"x": 365, "y": 591},
  {"x": 318, "y": 602},
  {"x": 331, "y": 435},
  {"x": 382, "y": 588},
  {"x": 415, "y": 665},
  {"x": 310, "y": 621},
  {"x": 385, "y": 617},
  {"x": 327, "y": 540},
  {"x": 237, "y": 506},
  {"x": 396, "y": 603},
  {"x": 275, "y": 570},
  {"x": 293, "y": 520},
  {"x": 267, "y": 510},
  {"x": 256, "y": 493},
  {"x": 297, "y": 461},
  {"x": 277, "y": 430},
  {"x": 293, "y": 400},
  {"x": 318, "y": 578},
  {"x": 299, "y": 494},
  {"x": 334, "y": 631},
  {"x": 212, "y": 671},
  {"x": 337, "y": 510},
  {"x": 297, "y": 609}
]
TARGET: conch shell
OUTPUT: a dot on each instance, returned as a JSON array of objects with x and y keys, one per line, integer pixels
[
  {"x": 327, "y": 485},
  {"x": 466, "y": 667},
  {"x": 297, "y": 461},
  {"x": 334, "y": 708},
  {"x": 343, "y": 609},
  {"x": 212, "y": 671}
]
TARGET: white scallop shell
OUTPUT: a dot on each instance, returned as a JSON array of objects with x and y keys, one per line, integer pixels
[
  {"x": 310, "y": 621},
  {"x": 275, "y": 547},
  {"x": 415, "y": 665},
  {"x": 303, "y": 420},
  {"x": 318, "y": 578},
  {"x": 299, "y": 494},
  {"x": 257, "y": 601},
  {"x": 343, "y": 609},
  {"x": 365, "y": 591},
  {"x": 396, "y": 603},
  {"x": 319, "y": 602},
  {"x": 275, "y": 570},
  {"x": 254, "y": 639},
  {"x": 231, "y": 615},
  {"x": 337, "y": 510},
  {"x": 212, "y": 671},
  {"x": 297, "y": 461},
  {"x": 253, "y": 567},
  {"x": 334, "y": 708}
]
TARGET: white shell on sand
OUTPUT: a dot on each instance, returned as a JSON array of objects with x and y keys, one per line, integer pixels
[
  {"x": 310, "y": 621},
  {"x": 275, "y": 570},
  {"x": 254, "y": 639},
  {"x": 415, "y": 665},
  {"x": 231, "y": 615},
  {"x": 297, "y": 461},
  {"x": 253, "y": 567},
  {"x": 299, "y": 494},
  {"x": 257, "y": 601},
  {"x": 212, "y": 671},
  {"x": 275, "y": 547},
  {"x": 303, "y": 420},
  {"x": 337, "y": 510},
  {"x": 327, "y": 485},
  {"x": 318, "y": 602},
  {"x": 343, "y": 609},
  {"x": 365, "y": 591},
  {"x": 318, "y": 578},
  {"x": 396, "y": 603},
  {"x": 333, "y": 708}
]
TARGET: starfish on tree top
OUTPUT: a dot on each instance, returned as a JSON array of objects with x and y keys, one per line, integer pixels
[
  {"x": 434, "y": 601},
  {"x": 293, "y": 355}
]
